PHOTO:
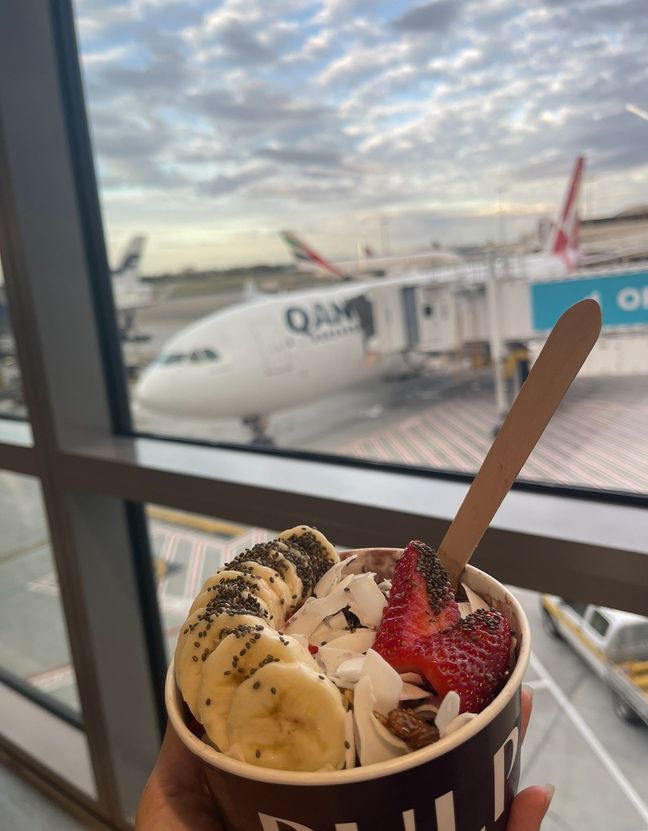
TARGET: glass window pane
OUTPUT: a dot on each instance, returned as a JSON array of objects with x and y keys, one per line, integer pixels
[
  {"x": 411, "y": 160},
  {"x": 578, "y": 607},
  {"x": 12, "y": 402},
  {"x": 33, "y": 637},
  {"x": 599, "y": 623}
]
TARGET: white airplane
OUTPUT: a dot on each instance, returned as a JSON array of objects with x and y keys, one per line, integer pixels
[
  {"x": 130, "y": 292},
  {"x": 274, "y": 352},
  {"x": 367, "y": 263}
]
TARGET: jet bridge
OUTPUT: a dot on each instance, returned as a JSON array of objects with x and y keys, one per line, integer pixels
[
  {"x": 437, "y": 316},
  {"x": 414, "y": 318}
]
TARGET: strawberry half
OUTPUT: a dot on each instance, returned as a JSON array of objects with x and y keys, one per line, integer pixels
[
  {"x": 422, "y": 631},
  {"x": 421, "y": 603},
  {"x": 471, "y": 658}
]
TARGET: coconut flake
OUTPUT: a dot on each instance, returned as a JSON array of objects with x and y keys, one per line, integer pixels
[
  {"x": 331, "y": 628},
  {"x": 386, "y": 682},
  {"x": 367, "y": 601},
  {"x": 306, "y": 620},
  {"x": 331, "y": 578},
  {"x": 464, "y": 609},
  {"x": 411, "y": 692},
  {"x": 456, "y": 723},
  {"x": 349, "y": 745},
  {"x": 372, "y": 744},
  {"x": 476, "y": 602},
  {"x": 358, "y": 641},
  {"x": 448, "y": 711},
  {"x": 349, "y": 670},
  {"x": 331, "y": 659}
]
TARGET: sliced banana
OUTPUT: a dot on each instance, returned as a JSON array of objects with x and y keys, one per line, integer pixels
[
  {"x": 319, "y": 550},
  {"x": 271, "y": 554},
  {"x": 199, "y": 637},
  {"x": 275, "y": 582},
  {"x": 293, "y": 580},
  {"x": 288, "y": 717},
  {"x": 235, "y": 661},
  {"x": 237, "y": 584}
]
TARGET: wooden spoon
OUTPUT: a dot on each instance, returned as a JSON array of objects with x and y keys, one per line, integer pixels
[{"x": 563, "y": 354}]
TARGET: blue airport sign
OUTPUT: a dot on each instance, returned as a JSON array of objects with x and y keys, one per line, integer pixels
[{"x": 623, "y": 299}]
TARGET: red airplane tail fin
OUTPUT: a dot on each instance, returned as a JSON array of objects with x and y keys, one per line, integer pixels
[{"x": 564, "y": 239}]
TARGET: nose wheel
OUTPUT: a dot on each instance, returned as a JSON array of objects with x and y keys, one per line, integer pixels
[{"x": 258, "y": 426}]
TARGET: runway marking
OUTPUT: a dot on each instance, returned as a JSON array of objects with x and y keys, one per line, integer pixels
[
  {"x": 591, "y": 739},
  {"x": 194, "y": 572},
  {"x": 45, "y": 585},
  {"x": 167, "y": 554},
  {"x": 53, "y": 679},
  {"x": 200, "y": 523}
]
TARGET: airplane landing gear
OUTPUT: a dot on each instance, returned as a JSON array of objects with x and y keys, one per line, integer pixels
[
  {"x": 258, "y": 426},
  {"x": 128, "y": 330}
]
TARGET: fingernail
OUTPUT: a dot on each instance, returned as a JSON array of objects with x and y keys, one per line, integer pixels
[
  {"x": 551, "y": 790},
  {"x": 528, "y": 689}
]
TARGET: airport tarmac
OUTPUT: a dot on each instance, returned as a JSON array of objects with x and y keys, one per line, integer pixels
[{"x": 598, "y": 763}]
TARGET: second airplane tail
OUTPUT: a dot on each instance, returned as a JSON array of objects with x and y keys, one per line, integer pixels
[
  {"x": 129, "y": 264},
  {"x": 303, "y": 254}
]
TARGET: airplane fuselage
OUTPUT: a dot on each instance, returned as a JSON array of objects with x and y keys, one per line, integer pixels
[
  {"x": 280, "y": 351},
  {"x": 271, "y": 354}
]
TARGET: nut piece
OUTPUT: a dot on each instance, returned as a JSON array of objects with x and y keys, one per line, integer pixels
[{"x": 414, "y": 731}]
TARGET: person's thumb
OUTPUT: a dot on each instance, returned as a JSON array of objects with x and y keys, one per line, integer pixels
[{"x": 529, "y": 808}]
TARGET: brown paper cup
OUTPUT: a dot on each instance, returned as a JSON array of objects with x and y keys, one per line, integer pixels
[{"x": 464, "y": 782}]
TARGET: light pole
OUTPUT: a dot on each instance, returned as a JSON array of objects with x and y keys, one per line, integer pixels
[
  {"x": 500, "y": 190},
  {"x": 384, "y": 236}
]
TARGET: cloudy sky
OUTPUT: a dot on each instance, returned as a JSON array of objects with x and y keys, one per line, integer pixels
[{"x": 217, "y": 124}]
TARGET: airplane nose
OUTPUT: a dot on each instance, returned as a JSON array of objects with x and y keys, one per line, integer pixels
[{"x": 155, "y": 392}]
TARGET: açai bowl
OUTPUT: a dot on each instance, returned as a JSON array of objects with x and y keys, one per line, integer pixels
[{"x": 352, "y": 692}]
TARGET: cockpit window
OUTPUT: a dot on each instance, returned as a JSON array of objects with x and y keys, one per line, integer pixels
[
  {"x": 202, "y": 355},
  {"x": 172, "y": 358},
  {"x": 197, "y": 356}
]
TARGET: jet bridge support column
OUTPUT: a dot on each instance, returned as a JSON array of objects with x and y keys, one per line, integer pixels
[{"x": 495, "y": 341}]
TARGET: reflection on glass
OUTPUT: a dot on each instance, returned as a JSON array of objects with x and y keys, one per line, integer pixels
[
  {"x": 428, "y": 157},
  {"x": 33, "y": 637}
]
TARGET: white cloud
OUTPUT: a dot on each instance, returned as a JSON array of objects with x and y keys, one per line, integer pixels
[{"x": 253, "y": 114}]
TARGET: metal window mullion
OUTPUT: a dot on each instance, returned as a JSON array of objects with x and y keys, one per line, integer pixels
[
  {"x": 58, "y": 285},
  {"x": 19, "y": 460},
  {"x": 572, "y": 547}
]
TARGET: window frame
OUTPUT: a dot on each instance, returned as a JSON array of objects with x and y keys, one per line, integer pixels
[{"x": 96, "y": 474}]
